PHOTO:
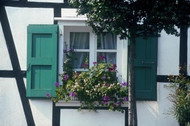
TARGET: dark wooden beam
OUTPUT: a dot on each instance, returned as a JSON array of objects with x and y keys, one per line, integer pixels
[
  {"x": 16, "y": 66},
  {"x": 183, "y": 51},
  {"x": 11, "y": 73},
  {"x": 56, "y": 116},
  {"x": 34, "y": 4},
  {"x": 163, "y": 78}
]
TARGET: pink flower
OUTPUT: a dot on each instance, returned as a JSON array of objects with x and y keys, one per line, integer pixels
[
  {"x": 85, "y": 65},
  {"x": 102, "y": 57},
  {"x": 114, "y": 66},
  {"x": 110, "y": 69},
  {"x": 48, "y": 95},
  {"x": 94, "y": 63}
]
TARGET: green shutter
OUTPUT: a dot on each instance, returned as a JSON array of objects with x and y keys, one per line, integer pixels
[
  {"x": 145, "y": 65},
  {"x": 42, "y": 60}
]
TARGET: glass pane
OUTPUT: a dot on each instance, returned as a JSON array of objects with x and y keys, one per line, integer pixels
[
  {"x": 79, "y": 40},
  {"x": 107, "y": 41},
  {"x": 106, "y": 57},
  {"x": 82, "y": 60}
]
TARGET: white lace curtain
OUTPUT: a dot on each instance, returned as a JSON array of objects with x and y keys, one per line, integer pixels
[
  {"x": 107, "y": 41},
  {"x": 80, "y": 40}
]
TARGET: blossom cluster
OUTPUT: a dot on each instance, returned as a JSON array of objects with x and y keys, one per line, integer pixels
[{"x": 96, "y": 87}]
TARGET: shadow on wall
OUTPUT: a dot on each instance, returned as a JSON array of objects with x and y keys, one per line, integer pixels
[
  {"x": 155, "y": 113},
  {"x": 42, "y": 111}
]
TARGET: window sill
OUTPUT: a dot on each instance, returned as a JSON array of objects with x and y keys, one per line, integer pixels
[{"x": 77, "y": 104}]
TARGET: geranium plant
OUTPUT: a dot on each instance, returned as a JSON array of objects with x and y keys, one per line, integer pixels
[{"x": 97, "y": 87}]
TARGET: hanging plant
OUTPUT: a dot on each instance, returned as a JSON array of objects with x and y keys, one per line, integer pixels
[{"x": 97, "y": 87}]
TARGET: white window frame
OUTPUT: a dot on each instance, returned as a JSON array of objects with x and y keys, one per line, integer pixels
[{"x": 77, "y": 24}]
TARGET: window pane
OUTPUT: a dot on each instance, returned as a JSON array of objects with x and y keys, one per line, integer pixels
[
  {"x": 82, "y": 60},
  {"x": 107, "y": 41},
  {"x": 79, "y": 40},
  {"x": 106, "y": 57}
]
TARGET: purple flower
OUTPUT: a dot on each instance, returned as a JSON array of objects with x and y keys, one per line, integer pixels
[
  {"x": 106, "y": 98},
  {"x": 72, "y": 94},
  {"x": 66, "y": 77},
  {"x": 125, "y": 99},
  {"x": 124, "y": 84},
  {"x": 65, "y": 50},
  {"x": 71, "y": 50},
  {"x": 85, "y": 65},
  {"x": 56, "y": 84},
  {"x": 48, "y": 95},
  {"x": 94, "y": 63},
  {"x": 104, "y": 77},
  {"x": 102, "y": 57},
  {"x": 104, "y": 102},
  {"x": 107, "y": 84},
  {"x": 118, "y": 103}
]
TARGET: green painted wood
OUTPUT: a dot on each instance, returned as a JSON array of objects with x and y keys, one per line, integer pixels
[
  {"x": 42, "y": 60},
  {"x": 145, "y": 65}
]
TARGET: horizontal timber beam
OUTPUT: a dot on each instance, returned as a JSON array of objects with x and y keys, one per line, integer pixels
[
  {"x": 10, "y": 73},
  {"x": 34, "y": 4}
]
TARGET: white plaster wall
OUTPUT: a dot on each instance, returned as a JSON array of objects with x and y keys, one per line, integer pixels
[
  {"x": 42, "y": 112},
  {"x": 5, "y": 63},
  {"x": 10, "y": 104},
  {"x": 156, "y": 113},
  {"x": 86, "y": 118},
  {"x": 168, "y": 54},
  {"x": 19, "y": 19},
  {"x": 11, "y": 111}
]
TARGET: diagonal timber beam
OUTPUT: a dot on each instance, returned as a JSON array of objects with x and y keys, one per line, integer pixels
[{"x": 16, "y": 66}]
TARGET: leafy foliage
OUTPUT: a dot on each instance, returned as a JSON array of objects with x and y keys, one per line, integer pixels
[
  {"x": 96, "y": 87},
  {"x": 181, "y": 98},
  {"x": 143, "y": 17}
]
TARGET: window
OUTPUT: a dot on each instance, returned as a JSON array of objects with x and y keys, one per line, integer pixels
[{"x": 89, "y": 48}]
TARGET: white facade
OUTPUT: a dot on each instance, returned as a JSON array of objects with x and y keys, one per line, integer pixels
[{"x": 150, "y": 113}]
